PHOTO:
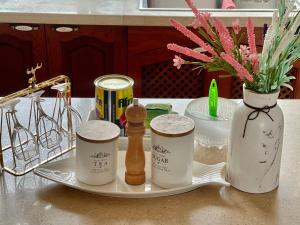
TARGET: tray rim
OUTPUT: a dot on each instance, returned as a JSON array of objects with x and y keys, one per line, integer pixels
[{"x": 150, "y": 194}]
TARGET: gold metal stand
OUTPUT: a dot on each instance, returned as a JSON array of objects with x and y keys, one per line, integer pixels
[{"x": 21, "y": 162}]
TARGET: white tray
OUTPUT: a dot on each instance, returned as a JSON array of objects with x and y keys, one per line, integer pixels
[{"x": 63, "y": 172}]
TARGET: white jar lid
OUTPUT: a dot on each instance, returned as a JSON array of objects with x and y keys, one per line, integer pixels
[
  {"x": 172, "y": 125},
  {"x": 114, "y": 82},
  {"x": 98, "y": 131}
]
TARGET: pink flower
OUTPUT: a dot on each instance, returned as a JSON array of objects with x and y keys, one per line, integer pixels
[
  {"x": 192, "y": 7},
  {"x": 244, "y": 48},
  {"x": 201, "y": 18},
  {"x": 226, "y": 40},
  {"x": 189, "y": 52},
  {"x": 186, "y": 32},
  {"x": 251, "y": 40},
  {"x": 241, "y": 71},
  {"x": 236, "y": 26},
  {"x": 253, "y": 58},
  {"x": 244, "y": 51},
  {"x": 251, "y": 36},
  {"x": 178, "y": 61},
  {"x": 195, "y": 24},
  {"x": 203, "y": 21},
  {"x": 207, "y": 15}
]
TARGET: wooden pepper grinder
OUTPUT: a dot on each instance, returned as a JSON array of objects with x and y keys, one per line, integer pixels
[{"x": 135, "y": 155}]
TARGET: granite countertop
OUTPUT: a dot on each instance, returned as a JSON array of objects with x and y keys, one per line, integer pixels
[
  {"x": 105, "y": 12},
  {"x": 33, "y": 200}
]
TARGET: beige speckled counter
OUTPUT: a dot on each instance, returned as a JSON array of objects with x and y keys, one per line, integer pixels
[
  {"x": 105, "y": 12},
  {"x": 32, "y": 200}
]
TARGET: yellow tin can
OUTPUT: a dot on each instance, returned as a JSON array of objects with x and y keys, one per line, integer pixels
[{"x": 113, "y": 93}]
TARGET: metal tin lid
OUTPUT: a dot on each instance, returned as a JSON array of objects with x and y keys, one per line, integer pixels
[
  {"x": 114, "y": 82},
  {"x": 98, "y": 131},
  {"x": 172, "y": 125}
]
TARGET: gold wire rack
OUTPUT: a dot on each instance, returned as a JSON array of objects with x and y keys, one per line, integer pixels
[{"x": 47, "y": 135}]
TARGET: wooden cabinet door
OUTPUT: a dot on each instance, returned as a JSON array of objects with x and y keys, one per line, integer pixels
[
  {"x": 84, "y": 53},
  {"x": 20, "y": 50}
]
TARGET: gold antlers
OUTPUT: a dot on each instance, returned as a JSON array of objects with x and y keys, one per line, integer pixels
[{"x": 32, "y": 81}]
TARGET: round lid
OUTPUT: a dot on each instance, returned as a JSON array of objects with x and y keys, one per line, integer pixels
[
  {"x": 172, "y": 125},
  {"x": 98, "y": 131},
  {"x": 198, "y": 109},
  {"x": 114, "y": 82}
]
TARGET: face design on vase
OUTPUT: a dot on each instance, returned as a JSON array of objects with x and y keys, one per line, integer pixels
[
  {"x": 266, "y": 146},
  {"x": 269, "y": 146}
]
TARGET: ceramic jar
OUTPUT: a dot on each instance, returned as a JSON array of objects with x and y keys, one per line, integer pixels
[
  {"x": 255, "y": 143},
  {"x": 172, "y": 139},
  {"x": 96, "y": 152}
]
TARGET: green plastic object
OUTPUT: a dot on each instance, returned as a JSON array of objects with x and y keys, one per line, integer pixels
[
  {"x": 154, "y": 110},
  {"x": 213, "y": 98}
]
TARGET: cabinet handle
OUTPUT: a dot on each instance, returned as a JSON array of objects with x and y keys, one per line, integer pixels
[
  {"x": 24, "y": 27},
  {"x": 65, "y": 29}
]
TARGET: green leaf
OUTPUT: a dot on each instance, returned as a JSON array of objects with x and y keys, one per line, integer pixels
[{"x": 288, "y": 86}]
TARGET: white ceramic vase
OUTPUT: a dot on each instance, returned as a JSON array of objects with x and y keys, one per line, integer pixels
[{"x": 255, "y": 143}]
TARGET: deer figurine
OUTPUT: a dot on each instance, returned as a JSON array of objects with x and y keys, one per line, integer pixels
[{"x": 32, "y": 81}]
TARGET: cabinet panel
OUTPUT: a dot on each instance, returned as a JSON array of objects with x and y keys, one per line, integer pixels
[
  {"x": 20, "y": 50},
  {"x": 86, "y": 53}
]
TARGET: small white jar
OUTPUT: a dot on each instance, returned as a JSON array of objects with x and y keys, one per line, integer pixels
[
  {"x": 172, "y": 139},
  {"x": 96, "y": 152}
]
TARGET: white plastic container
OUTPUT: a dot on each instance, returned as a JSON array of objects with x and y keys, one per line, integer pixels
[
  {"x": 172, "y": 139},
  {"x": 210, "y": 131},
  {"x": 96, "y": 152}
]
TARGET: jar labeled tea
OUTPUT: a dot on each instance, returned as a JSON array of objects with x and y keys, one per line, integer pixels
[
  {"x": 172, "y": 139},
  {"x": 96, "y": 152}
]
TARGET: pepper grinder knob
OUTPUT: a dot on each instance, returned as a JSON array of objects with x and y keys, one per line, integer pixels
[
  {"x": 135, "y": 101},
  {"x": 135, "y": 155}
]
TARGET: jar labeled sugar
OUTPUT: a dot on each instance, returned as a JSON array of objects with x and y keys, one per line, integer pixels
[
  {"x": 96, "y": 152},
  {"x": 172, "y": 139}
]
